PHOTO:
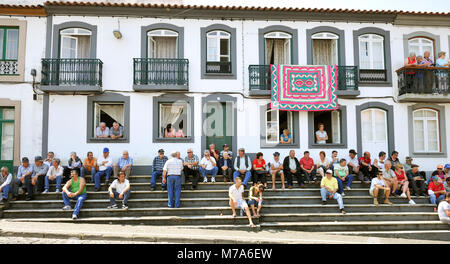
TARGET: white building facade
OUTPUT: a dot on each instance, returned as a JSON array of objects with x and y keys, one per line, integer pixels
[{"x": 205, "y": 72}]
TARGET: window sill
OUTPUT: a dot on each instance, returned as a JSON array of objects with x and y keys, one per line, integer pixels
[
  {"x": 376, "y": 84},
  {"x": 218, "y": 76},
  {"x": 108, "y": 140},
  {"x": 428, "y": 155},
  {"x": 174, "y": 140},
  {"x": 279, "y": 146},
  {"x": 327, "y": 146}
]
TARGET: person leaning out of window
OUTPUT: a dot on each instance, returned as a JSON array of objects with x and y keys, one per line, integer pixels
[
  {"x": 102, "y": 131},
  {"x": 116, "y": 131},
  {"x": 441, "y": 61},
  {"x": 321, "y": 134},
  {"x": 286, "y": 137}
]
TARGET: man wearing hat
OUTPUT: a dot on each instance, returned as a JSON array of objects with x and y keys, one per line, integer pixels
[
  {"x": 226, "y": 148},
  {"x": 157, "y": 169},
  {"x": 328, "y": 189},
  {"x": 23, "y": 179},
  {"x": 39, "y": 172},
  {"x": 447, "y": 170},
  {"x": 105, "y": 168},
  {"x": 436, "y": 191}
]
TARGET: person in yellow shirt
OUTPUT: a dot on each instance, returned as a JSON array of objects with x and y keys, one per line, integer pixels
[{"x": 328, "y": 188}]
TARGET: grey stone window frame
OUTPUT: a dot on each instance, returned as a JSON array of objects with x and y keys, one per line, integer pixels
[
  {"x": 144, "y": 38},
  {"x": 262, "y": 46},
  {"x": 295, "y": 134},
  {"x": 168, "y": 98},
  {"x": 390, "y": 124},
  {"x": 323, "y": 29},
  {"x": 74, "y": 24},
  {"x": 203, "y": 54},
  {"x": 442, "y": 131},
  {"x": 387, "y": 53},
  {"x": 312, "y": 129},
  {"x": 107, "y": 98},
  {"x": 422, "y": 34}
]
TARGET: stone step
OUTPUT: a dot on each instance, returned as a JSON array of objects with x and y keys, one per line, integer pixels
[
  {"x": 101, "y": 211},
  {"x": 329, "y": 217},
  {"x": 435, "y": 235}
]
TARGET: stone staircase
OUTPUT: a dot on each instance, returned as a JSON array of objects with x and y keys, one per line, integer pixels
[{"x": 207, "y": 208}]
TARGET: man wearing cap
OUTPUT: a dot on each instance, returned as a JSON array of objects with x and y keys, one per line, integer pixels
[
  {"x": 291, "y": 167},
  {"x": 39, "y": 171},
  {"x": 416, "y": 180},
  {"x": 447, "y": 170},
  {"x": 275, "y": 169},
  {"x": 105, "y": 169},
  {"x": 242, "y": 166},
  {"x": 328, "y": 188},
  {"x": 23, "y": 178},
  {"x": 157, "y": 169},
  {"x": 353, "y": 163},
  {"x": 226, "y": 148},
  {"x": 436, "y": 191},
  {"x": 172, "y": 177},
  {"x": 5, "y": 183}
]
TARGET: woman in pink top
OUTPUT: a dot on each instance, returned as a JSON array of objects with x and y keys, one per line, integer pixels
[
  {"x": 169, "y": 131},
  {"x": 180, "y": 134}
]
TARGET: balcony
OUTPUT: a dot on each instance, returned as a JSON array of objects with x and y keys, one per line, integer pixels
[
  {"x": 9, "y": 67},
  {"x": 218, "y": 67},
  {"x": 72, "y": 75},
  {"x": 423, "y": 84},
  {"x": 161, "y": 74},
  {"x": 259, "y": 80}
]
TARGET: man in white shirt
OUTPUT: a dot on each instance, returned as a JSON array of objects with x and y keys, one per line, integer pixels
[
  {"x": 236, "y": 195},
  {"x": 242, "y": 166},
  {"x": 5, "y": 181},
  {"x": 54, "y": 173},
  {"x": 378, "y": 189},
  {"x": 208, "y": 165},
  {"x": 119, "y": 189},
  {"x": 353, "y": 163},
  {"x": 444, "y": 209},
  {"x": 105, "y": 166},
  {"x": 172, "y": 177}
]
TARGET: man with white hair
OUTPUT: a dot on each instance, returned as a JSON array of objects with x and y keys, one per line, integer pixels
[
  {"x": 55, "y": 173},
  {"x": 5, "y": 181},
  {"x": 172, "y": 177},
  {"x": 208, "y": 165},
  {"x": 389, "y": 176},
  {"x": 124, "y": 164},
  {"x": 102, "y": 131},
  {"x": 191, "y": 167}
]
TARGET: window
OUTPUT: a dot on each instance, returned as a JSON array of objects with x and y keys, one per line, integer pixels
[
  {"x": 420, "y": 45},
  {"x": 332, "y": 125},
  {"x": 325, "y": 48},
  {"x": 174, "y": 120},
  {"x": 371, "y": 52},
  {"x": 75, "y": 43},
  {"x": 162, "y": 44},
  {"x": 426, "y": 130},
  {"x": 109, "y": 113},
  {"x": 9, "y": 49},
  {"x": 276, "y": 122},
  {"x": 277, "y": 48},
  {"x": 218, "y": 52}
]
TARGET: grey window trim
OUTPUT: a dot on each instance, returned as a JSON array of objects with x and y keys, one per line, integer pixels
[
  {"x": 146, "y": 29},
  {"x": 106, "y": 98},
  {"x": 390, "y": 124},
  {"x": 436, "y": 39},
  {"x": 222, "y": 98},
  {"x": 233, "y": 51},
  {"x": 296, "y": 133},
  {"x": 341, "y": 43},
  {"x": 387, "y": 53},
  {"x": 442, "y": 131},
  {"x": 294, "y": 43},
  {"x": 312, "y": 129},
  {"x": 168, "y": 98},
  {"x": 74, "y": 24}
]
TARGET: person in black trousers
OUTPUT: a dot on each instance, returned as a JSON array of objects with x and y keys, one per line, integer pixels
[
  {"x": 291, "y": 167},
  {"x": 191, "y": 168},
  {"x": 417, "y": 180}
]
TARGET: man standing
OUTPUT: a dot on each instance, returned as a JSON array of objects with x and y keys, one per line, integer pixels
[
  {"x": 208, "y": 165},
  {"x": 242, "y": 167},
  {"x": 328, "y": 188},
  {"x": 353, "y": 163},
  {"x": 157, "y": 169},
  {"x": 124, "y": 164},
  {"x": 307, "y": 165},
  {"x": 5, "y": 181},
  {"x": 24, "y": 173},
  {"x": 416, "y": 180},
  {"x": 172, "y": 177},
  {"x": 39, "y": 172},
  {"x": 105, "y": 163},
  {"x": 77, "y": 186},
  {"x": 291, "y": 167},
  {"x": 54, "y": 173},
  {"x": 191, "y": 167}
]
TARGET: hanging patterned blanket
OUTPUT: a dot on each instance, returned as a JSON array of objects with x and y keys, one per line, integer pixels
[{"x": 304, "y": 88}]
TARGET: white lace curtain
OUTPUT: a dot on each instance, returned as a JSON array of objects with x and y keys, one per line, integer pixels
[
  {"x": 163, "y": 47},
  {"x": 325, "y": 51},
  {"x": 170, "y": 114}
]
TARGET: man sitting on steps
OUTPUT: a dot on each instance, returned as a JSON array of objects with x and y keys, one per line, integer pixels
[
  {"x": 236, "y": 195},
  {"x": 378, "y": 189},
  {"x": 242, "y": 167},
  {"x": 328, "y": 188}
]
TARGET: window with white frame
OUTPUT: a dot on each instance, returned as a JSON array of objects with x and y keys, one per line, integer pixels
[
  {"x": 371, "y": 52},
  {"x": 276, "y": 121},
  {"x": 277, "y": 48},
  {"x": 426, "y": 130},
  {"x": 75, "y": 43},
  {"x": 331, "y": 120},
  {"x": 420, "y": 45},
  {"x": 325, "y": 48},
  {"x": 162, "y": 44},
  {"x": 174, "y": 120},
  {"x": 9, "y": 50},
  {"x": 108, "y": 113},
  {"x": 218, "y": 46}
]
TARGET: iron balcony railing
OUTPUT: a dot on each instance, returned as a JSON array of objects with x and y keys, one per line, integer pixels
[
  {"x": 72, "y": 72},
  {"x": 372, "y": 76},
  {"x": 149, "y": 71},
  {"x": 423, "y": 80},
  {"x": 218, "y": 67},
  {"x": 259, "y": 77},
  {"x": 9, "y": 67}
]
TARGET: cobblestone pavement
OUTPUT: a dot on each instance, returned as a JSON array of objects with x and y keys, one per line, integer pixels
[{"x": 35, "y": 240}]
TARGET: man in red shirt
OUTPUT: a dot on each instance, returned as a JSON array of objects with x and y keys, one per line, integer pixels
[
  {"x": 214, "y": 152},
  {"x": 436, "y": 191},
  {"x": 308, "y": 168},
  {"x": 365, "y": 164}
]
